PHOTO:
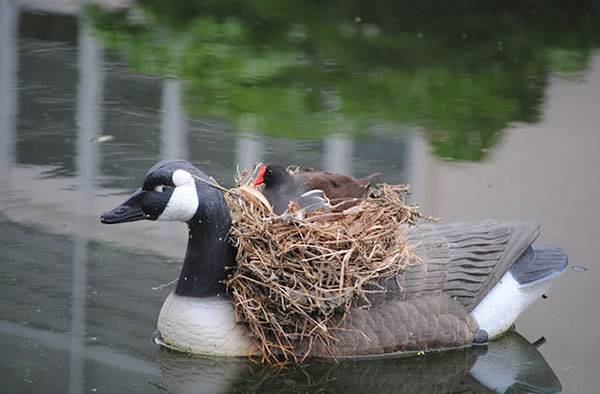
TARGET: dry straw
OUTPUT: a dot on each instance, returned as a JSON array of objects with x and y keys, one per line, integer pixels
[{"x": 297, "y": 274}]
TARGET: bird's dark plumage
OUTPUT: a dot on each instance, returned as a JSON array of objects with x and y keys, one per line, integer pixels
[{"x": 281, "y": 187}]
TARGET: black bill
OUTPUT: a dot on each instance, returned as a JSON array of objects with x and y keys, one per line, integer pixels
[{"x": 129, "y": 211}]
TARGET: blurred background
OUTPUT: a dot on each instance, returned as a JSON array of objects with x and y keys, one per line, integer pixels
[{"x": 488, "y": 110}]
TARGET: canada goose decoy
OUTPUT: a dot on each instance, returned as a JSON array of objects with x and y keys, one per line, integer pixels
[
  {"x": 281, "y": 187},
  {"x": 472, "y": 280}
]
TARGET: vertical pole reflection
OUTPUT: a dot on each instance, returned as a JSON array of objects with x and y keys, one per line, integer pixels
[
  {"x": 338, "y": 153},
  {"x": 9, "y": 17},
  {"x": 89, "y": 97},
  {"x": 249, "y": 149},
  {"x": 173, "y": 134}
]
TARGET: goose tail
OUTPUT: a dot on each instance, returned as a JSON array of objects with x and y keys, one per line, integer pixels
[
  {"x": 527, "y": 280},
  {"x": 539, "y": 264}
]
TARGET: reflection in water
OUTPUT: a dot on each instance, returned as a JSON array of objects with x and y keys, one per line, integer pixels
[
  {"x": 510, "y": 364},
  {"x": 513, "y": 365},
  {"x": 89, "y": 99},
  {"x": 313, "y": 73},
  {"x": 173, "y": 129},
  {"x": 9, "y": 22},
  {"x": 338, "y": 153},
  {"x": 248, "y": 149},
  {"x": 64, "y": 343}
]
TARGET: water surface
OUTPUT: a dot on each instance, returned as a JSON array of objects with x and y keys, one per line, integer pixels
[{"x": 487, "y": 112}]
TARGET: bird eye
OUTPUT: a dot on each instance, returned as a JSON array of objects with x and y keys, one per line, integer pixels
[{"x": 159, "y": 188}]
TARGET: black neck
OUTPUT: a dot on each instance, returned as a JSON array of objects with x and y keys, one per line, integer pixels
[{"x": 209, "y": 254}]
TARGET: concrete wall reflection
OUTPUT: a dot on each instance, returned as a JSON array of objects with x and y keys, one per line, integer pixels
[
  {"x": 546, "y": 172},
  {"x": 9, "y": 22},
  {"x": 173, "y": 124},
  {"x": 89, "y": 115}
]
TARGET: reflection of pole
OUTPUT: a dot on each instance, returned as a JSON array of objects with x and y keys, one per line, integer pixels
[
  {"x": 173, "y": 134},
  {"x": 89, "y": 97},
  {"x": 338, "y": 153},
  {"x": 249, "y": 149},
  {"x": 9, "y": 14},
  {"x": 421, "y": 172}
]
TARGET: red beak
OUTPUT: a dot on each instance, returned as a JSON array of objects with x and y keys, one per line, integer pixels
[{"x": 260, "y": 177}]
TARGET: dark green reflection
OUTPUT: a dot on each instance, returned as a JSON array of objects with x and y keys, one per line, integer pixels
[{"x": 461, "y": 71}]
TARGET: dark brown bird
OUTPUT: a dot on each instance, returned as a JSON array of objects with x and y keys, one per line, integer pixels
[{"x": 281, "y": 187}]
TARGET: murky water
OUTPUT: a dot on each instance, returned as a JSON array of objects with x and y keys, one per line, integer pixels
[{"x": 486, "y": 112}]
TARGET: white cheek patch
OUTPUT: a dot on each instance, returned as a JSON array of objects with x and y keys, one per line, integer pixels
[
  {"x": 183, "y": 204},
  {"x": 182, "y": 177}
]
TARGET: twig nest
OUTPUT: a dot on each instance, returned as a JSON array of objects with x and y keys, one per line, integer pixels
[
  {"x": 255, "y": 197},
  {"x": 297, "y": 275}
]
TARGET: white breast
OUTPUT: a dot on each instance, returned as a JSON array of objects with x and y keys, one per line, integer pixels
[{"x": 202, "y": 326}]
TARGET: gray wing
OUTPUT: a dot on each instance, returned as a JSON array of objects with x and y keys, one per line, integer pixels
[{"x": 462, "y": 260}]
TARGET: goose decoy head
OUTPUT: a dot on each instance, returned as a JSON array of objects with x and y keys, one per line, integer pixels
[
  {"x": 169, "y": 193},
  {"x": 271, "y": 175}
]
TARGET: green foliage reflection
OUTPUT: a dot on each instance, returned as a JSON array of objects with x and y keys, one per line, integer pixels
[{"x": 461, "y": 73}]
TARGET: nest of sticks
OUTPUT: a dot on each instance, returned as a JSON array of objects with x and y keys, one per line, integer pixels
[{"x": 297, "y": 274}]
